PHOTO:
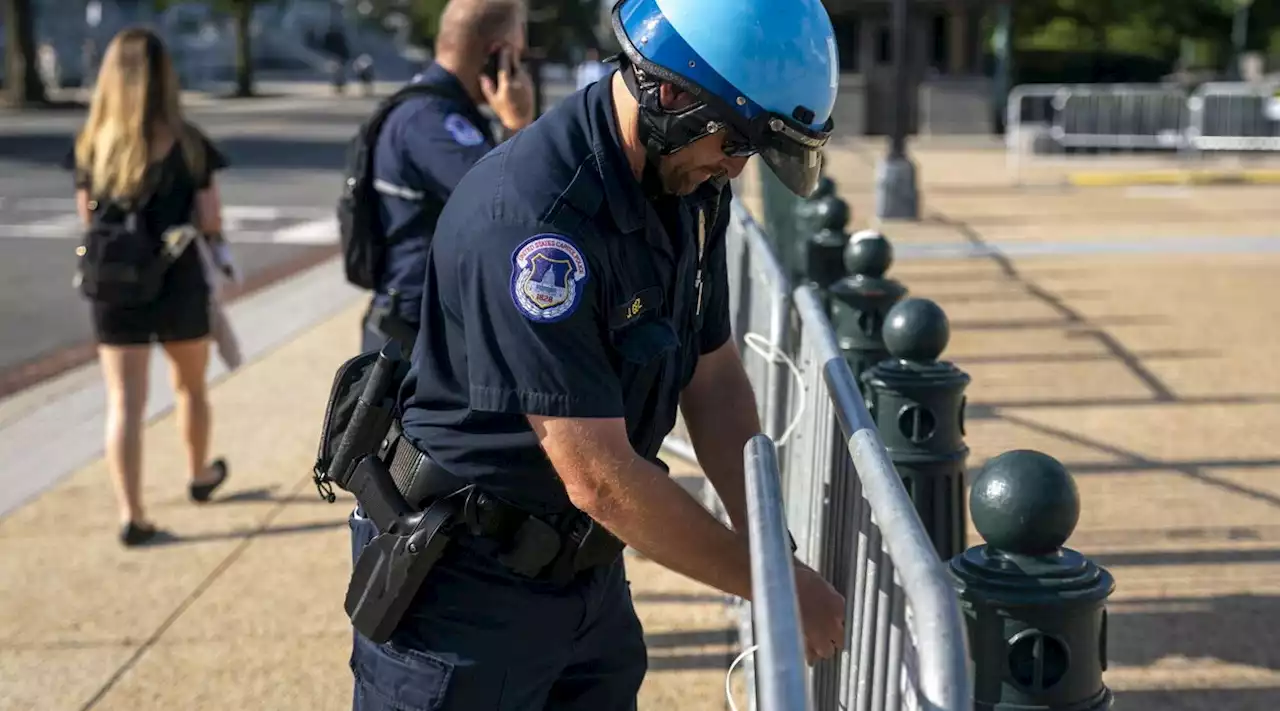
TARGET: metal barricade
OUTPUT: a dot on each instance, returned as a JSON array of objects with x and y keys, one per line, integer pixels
[
  {"x": 846, "y": 507},
  {"x": 906, "y": 645},
  {"x": 1048, "y": 121},
  {"x": 780, "y": 667},
  {"x": 760, "y": 306},
  {"x": 1235, "y": 117},
  {"x": 1149, "y": 125}
]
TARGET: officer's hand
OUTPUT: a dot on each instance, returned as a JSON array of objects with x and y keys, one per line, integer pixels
[
  {"x": 512, "y": 98},
  {"x": 821, "y": 614}
]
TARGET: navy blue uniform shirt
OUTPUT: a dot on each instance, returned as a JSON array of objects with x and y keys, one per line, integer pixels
[
  {"x": 555, "y": 287},
  {"x": 425, "y": 147}
]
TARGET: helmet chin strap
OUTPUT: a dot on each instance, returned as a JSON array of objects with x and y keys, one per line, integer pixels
[
  {"x": 653, "y": 120},
  {"x": 656, "y": 127}
]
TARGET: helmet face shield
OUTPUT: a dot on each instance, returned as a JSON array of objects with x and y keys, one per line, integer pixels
[
  {"x": 792, "y": 151},
  {"x": 798, "y": 170}
]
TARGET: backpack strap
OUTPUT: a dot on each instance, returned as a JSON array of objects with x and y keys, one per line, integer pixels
[
  {"x": 374, "y": 127},
  {"x": 431, "y": 208}
]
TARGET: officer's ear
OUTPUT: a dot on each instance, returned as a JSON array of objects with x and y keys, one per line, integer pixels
[{"x": 674, "y": 98}]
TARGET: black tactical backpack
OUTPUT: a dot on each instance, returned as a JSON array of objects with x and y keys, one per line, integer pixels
[
  {"x": 121, "y": 263},
  {"x": 364, "y": 242}
]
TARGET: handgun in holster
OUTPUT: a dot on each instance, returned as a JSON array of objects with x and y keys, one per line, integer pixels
[{"x": 392, "y": 567}]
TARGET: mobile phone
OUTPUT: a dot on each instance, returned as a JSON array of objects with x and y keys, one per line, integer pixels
[{"x": 493, "y": 64}]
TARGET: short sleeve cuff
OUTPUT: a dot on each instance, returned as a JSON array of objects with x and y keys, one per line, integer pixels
[
  {"x": 528, "y": 402},
  {"x": 713, "y": 339}
]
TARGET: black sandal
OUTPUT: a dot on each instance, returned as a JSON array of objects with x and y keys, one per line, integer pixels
[
  {"x": 134, "y": 534},
  {"x": 200, "y": 493}
]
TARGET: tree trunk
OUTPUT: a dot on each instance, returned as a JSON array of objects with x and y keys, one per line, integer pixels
[
  {"x": 21, "y": 76},
  {"x": 244, "y": 55}
]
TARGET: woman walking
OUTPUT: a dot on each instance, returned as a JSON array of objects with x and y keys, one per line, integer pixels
[{"x": 144, "y": 176}]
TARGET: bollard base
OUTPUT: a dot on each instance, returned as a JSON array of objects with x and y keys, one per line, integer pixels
[{"x": 896, "y": 194}]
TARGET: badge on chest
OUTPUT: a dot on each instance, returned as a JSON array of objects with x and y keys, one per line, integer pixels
[{"x": 547, "y": 278}]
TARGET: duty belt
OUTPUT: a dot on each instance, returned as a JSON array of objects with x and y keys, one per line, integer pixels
[{"x": 542, "y": 548}]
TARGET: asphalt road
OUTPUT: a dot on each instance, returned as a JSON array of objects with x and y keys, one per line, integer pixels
[
  {"x": 278, "y": 195},
  {"x": 286, "y": 155}
]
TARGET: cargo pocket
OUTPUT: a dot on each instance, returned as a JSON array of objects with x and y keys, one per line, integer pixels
[{"x": 390, "y": 678}]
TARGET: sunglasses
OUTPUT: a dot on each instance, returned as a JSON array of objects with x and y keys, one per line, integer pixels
[{"x": 736, "y": 145}]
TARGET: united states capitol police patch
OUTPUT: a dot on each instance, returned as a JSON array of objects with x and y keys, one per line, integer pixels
[
  {"x": 548, "y": 278},
  {"x": 463, "y": 131}
]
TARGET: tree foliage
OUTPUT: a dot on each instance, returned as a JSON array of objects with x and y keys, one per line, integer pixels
[
  {"x": 21, "y": 76},
  {"x": 1140, "y": 26}
]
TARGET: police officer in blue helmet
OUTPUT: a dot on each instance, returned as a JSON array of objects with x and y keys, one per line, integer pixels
[{"x": 576, "y": 300}]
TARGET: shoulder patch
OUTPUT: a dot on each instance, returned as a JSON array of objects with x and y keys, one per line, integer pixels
[
  {"x": 462, "y": 130},
  {"x": 547, "y": 277}
]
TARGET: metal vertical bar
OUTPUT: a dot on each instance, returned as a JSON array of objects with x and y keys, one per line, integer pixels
[
  {"x": 870, "y": 601},
  {"x": 780, "y": 665},
  {"x": 881, "y": 644},
  {"x": 893, "y": 662}
]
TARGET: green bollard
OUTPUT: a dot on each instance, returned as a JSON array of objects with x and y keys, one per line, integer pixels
[
  {"x": 831, "y": 216},
  {"x": 917, "y": 403},
  {"x": 806, "y": 219},
  {"x": 1036, "y": 611},
  {"x": 861, "y": 301}
]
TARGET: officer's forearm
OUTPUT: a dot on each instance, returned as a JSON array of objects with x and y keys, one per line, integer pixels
[
  {"x": 650, "y": 512},
  {"x": 719, "y": 409}
]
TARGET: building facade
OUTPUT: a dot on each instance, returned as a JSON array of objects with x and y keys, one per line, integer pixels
[{"x": 948, "y": 91}]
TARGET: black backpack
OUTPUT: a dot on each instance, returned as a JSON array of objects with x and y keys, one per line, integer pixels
[
  {"x": 364, "y": 244},
  {"x": 121, "y": 262}
]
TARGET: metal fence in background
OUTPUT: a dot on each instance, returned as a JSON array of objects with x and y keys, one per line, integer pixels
[
  {"x": 1161, "y": 122},
  {"x": 846, "y": 508}
]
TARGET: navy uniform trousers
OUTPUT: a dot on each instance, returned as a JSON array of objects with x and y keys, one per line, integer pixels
[{"x": 479, "y": 637}]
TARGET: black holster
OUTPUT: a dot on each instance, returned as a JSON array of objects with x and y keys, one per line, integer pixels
[{"x": 393, "y": 566}]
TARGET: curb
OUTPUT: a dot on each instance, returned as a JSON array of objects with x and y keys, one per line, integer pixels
[{"x": 1098, "y": 179}]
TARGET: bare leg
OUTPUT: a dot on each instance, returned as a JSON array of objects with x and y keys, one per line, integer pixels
[
  {"x": 124, "y": 368},
  {"x": 188, "y": 361}
]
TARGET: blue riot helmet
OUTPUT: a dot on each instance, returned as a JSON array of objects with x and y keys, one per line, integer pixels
[{"x": 765, "y": 71}]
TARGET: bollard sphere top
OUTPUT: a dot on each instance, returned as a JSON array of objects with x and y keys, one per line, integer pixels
[
  {"x": 831, "y": 213},
  {"x": 826, "y": 188},
  {"x": 868, "y": 253},
  {"x": 1024, "y": 502},
  {"x": 916, "y": 330}
]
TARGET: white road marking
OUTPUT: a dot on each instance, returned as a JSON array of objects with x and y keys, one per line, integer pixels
[
  {"x": 311, "y": 232},
  {"x": 237, "y": 225}
]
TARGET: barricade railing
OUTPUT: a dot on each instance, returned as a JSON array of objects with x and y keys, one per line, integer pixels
[
  {"x": 846, "y": 508},
  {"x": 1153, "y": 119},
  {"x": 906, "y": 645},
  {"x": 781, "y": 678},
  {"x": 1235, "y": 116}
]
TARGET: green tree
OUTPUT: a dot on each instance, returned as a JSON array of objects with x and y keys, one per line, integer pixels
[
  {"x": 21, "y": 73},
  {"x": 425, "y": 16},
  {"x": 242, "y": 11}
]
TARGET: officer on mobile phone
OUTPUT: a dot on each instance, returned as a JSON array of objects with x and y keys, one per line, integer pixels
[{"x": 431, "y": 132}]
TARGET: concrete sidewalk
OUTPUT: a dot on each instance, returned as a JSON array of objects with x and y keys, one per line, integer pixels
[
  {"x": 241, "y": 607},
  {"x": 1152, "y": 372}
]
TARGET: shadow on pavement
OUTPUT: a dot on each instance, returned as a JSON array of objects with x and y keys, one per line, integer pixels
[
  {"x": 1235, "y": 629},
  {"x": 167, "y": 538}
]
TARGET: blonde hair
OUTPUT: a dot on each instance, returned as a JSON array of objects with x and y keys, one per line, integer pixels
[{"x": 136, "y": 95}]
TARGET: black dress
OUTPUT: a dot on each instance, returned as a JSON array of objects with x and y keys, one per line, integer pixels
[{"x": 181, "y": 312}]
